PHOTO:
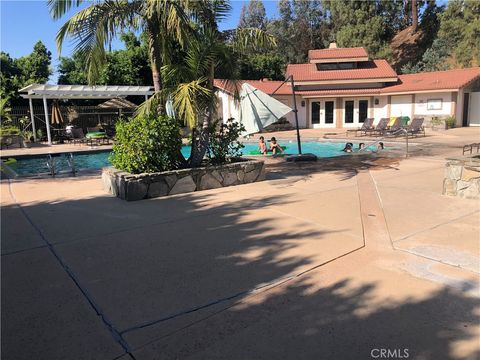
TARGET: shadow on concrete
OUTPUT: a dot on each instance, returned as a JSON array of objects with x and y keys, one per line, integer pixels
[
  {"x": 345, "y": 166},
  {"x": 335, "y": 322},
  {"x": 138, "y": 264}
]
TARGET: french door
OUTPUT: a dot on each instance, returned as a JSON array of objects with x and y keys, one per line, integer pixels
[
  {"x": 355, "y": 111},
  {"x": 322, "y": 113}
]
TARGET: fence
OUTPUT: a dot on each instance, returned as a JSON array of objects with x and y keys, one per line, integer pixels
[{"x": 80, "y": 116}]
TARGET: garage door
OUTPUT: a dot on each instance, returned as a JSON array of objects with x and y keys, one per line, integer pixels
[
  {"x": 474, "y": 109},
  {"x": 401, "y": 105}
]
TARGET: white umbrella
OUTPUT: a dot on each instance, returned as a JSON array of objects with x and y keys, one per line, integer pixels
[{"x": 258, "y": 109}]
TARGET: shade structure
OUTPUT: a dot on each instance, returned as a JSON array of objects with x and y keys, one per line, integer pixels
[
  {"x": 258, "y": 110},
  {"x": 49, "y": 91}
]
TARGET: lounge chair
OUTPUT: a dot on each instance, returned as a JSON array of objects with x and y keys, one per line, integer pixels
[
  {"x": 366, "y": 126},
  {"x": 393, "y": 129},
  {"x": 416, "y": 127},
  {"x": 469, "y": 148},
  {"x": 97, "y": 136},
  {"x": 380, "y": 128}
]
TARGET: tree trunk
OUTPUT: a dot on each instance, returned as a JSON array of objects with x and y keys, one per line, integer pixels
[
  {"x": 156, "y": 63},
  {"x": 414, "y": 16},
  {"x": 201, "y": 144}
]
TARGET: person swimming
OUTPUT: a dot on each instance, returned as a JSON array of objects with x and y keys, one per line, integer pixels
[
  {"x": 348, "y": 147},
  {"x": 361, "y": 146},
  {"x": 262, "y": 147},
  {"x": 274, "y": 146}
]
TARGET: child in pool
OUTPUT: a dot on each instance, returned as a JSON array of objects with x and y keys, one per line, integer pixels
[
  {"x": 262, "y": 147},
  {"x": 274, "y": 147},
  {"x": 348, "y": 147}
]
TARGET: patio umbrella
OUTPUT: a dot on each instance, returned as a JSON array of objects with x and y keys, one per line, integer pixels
[
  {"x": 56, "y": 114},
  {"x": 259, "y": 109}
]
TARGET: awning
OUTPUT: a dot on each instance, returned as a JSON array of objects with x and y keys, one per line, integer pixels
[{"x": 48, "y": 91}]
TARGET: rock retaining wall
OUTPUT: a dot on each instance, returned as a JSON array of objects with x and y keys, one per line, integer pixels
[
  {"x": 462, "y": 177},
  {"x": 133, "y": 187}
]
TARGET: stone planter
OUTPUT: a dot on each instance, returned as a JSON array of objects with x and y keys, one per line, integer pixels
[
  {"x": 133, "y": 187},
  {"x": 462, "y": 177}
]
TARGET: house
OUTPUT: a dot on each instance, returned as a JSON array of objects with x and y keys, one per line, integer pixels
[{"x": 341, "y": 87}]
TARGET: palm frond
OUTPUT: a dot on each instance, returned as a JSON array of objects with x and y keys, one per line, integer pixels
[
  {"x": 248, "y": 39},
  {"x": 94, "y": 27},
  {"x": 187, "y": 98},
  {"x": 150, "y": 105},
  {"x": 58, "y": 8}
]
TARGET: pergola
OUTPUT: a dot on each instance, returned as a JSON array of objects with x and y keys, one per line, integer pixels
[{"x": 47, "y": 91}]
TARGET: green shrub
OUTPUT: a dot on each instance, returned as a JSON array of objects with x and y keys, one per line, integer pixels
[
  {"x": 224, "y": 142},
  {"x": 147, "y": 144},
  {"x": 9, "y": 130},
  {"x": 450, "y": 122}
]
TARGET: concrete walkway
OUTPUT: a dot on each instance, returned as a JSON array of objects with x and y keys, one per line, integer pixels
[{"x": 319, "y": 261}]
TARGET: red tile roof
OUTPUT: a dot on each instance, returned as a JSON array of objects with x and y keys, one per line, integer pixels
[
  {"x": 267, "y": 86},
  {"x": 375, "y": 69},
  {"x": 437, "y": 80},
  {"x": 339, "y": 92},
  {"x": 337, "y": 53}
]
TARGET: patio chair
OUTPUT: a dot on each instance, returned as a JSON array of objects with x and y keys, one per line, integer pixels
[
  {"x": 405, "y": 120},
  {"x": 78, "y": 137},
  {"x": 366, "y": 126},
  {"x": 393, "y": 129},
  {"x": 416, "y": 127},
  {"x": 380, "y": 128},
  {"x": 469, "y": 148}
]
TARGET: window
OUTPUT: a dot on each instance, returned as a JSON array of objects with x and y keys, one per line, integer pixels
[
  {"x": 316, "y": 112},
  {"x": 362, "y": 110},
  {"x": 329, "y": 108},
  {"x": 349, "y": 112},
  {"x": 434, "y": 104}
]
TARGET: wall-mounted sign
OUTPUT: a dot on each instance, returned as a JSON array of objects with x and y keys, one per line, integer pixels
[{"x": 434, "y": 104}]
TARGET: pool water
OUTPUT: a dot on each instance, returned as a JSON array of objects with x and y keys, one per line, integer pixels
[{"x": 97, "y": 160}]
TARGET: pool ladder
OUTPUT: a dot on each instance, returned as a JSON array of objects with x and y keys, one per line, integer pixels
[
  {"x": 397, "y": 132},
  {"x": 51, "y": 164}
]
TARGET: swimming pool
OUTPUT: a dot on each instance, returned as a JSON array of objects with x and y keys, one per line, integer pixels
[{"x": 97, "y": 160}]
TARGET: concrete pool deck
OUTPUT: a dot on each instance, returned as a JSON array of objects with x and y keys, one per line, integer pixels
[{"x": 327, "y": 260}]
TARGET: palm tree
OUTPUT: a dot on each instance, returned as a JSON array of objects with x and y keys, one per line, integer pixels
[
  {"x": 94, "y": 27},
  {"x": 191, "y": 82},
  {"x": 5, "y": 110}
]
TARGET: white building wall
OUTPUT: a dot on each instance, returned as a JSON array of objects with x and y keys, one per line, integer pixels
[
  {"x": 474, "y": 109},
  {"x": 380, "y": 110},
  {"x": 230, "y": 109},
  {"x": 302, "y": 110},
  {"x": 459, "y": 108},
  {"x": 401, "y": 105},
  {"x": 421, "y": 101}
]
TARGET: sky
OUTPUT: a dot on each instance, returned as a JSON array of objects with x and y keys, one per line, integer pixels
[{"x": 24, "y": 22}]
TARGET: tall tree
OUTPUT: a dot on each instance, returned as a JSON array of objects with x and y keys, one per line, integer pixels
[
  {"x": 357, "y": 23},
  {"x": 129, "y": 66},
  {"x": 20, "y": 72},
  {"x": 35, "y": 67},
  {"x": 414, "y": 16},
  {"x": 254, "y": 15},
  {"x": 242, "y": 22},
  {"x": 192, "y": 78},
  {"x": 94, "y": 27},
  {"x": 460, "y": 29},
  {"x": 301, "y": 26}
]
